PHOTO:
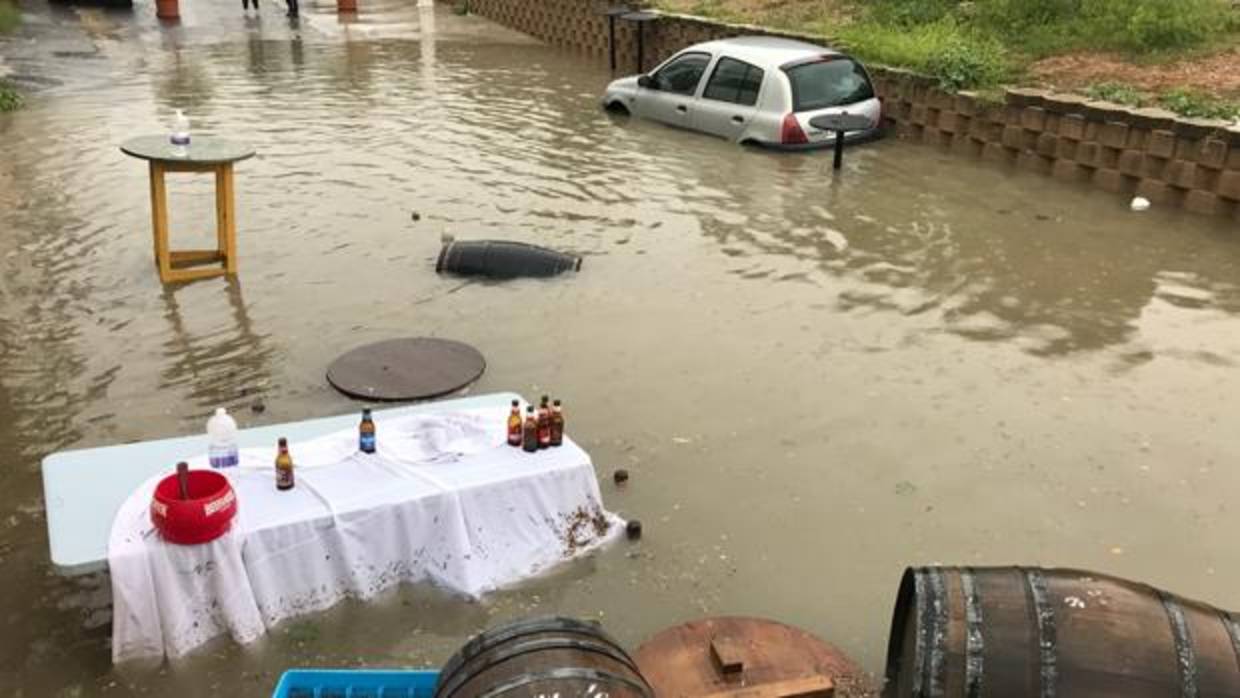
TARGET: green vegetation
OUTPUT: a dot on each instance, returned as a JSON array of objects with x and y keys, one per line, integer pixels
[
  {"x": 714, "y": 8},
  {"x": 1117, "y": 93},
  {"x": 1181, "y": 101},
  {"x": 10, "y": 17},
  {"x": 1199, "y": 105},
  {"x": 959, "y": 57},
  {"x": 1037, "y": 28},
  {"x": 10, "y": 99},
  {"x": 981, "y": 43}
]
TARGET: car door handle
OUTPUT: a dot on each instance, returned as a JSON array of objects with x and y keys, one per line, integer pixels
[
  {"x": 682, "y": 109},
  {"x": 738, "y": 119}
]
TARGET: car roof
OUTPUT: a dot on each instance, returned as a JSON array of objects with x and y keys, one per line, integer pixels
[{"x": 767, "y": 52}]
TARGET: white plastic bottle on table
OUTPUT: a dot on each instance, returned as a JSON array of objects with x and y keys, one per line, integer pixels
[
  {"x": 222, "y": 440},
  {"x": 180, "y": 133}
]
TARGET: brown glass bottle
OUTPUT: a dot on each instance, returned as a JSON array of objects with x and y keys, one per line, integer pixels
[
  {"x": 284, "y": 467},
  {"x": 366, "y": 433},
  {"x": 529, "y": 432},
  {"x": 557, "y": 424},
  {"x": 544, "y": 423},
  {"x": 514, "y": 425}
]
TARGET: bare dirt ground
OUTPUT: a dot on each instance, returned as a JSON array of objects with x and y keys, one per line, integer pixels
[{"x": 1217, "y": 74}]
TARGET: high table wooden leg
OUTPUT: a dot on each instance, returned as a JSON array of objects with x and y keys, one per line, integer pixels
[
  {"x": 225, "y": 198},
  {"x": 159, "y": 220}
]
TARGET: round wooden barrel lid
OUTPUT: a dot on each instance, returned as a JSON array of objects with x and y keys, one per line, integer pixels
[
  {"x": 410, "y": 368},
  {"x": 734, "y": 657}
]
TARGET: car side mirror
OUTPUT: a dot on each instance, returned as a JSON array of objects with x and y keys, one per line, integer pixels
[{"x": 647, "y": 82}]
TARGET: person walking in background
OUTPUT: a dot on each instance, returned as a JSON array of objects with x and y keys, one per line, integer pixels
[
  {"x": 292, "y": 7},
  {"x": 245, "y": 5}
]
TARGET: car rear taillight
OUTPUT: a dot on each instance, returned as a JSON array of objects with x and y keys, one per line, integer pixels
[{"x": 791, "y": 133}]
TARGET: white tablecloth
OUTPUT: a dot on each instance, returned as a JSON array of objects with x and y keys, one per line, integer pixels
[{"x": 444, "y": 501}]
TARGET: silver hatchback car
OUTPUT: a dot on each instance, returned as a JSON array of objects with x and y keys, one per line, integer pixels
[{"x": 757, "y": 90}]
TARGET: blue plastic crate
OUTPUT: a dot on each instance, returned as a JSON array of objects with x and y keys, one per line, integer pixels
[{"x": 356, "y": 683}]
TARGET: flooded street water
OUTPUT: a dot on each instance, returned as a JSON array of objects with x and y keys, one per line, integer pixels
[{"x": 814, "y": 381}]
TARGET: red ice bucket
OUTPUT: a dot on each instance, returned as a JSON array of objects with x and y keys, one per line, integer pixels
[{"x": 203, "y": 517}]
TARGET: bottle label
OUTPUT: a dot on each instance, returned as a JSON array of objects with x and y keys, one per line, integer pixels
[
  {"x": 180, "y": 139},
  {"x": 367, "y": 443},
  {"x": 284, "y": 477},
  {"x": 224, "y": 460}
]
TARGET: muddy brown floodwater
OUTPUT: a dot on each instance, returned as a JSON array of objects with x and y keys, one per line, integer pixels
[{"x": 814, "y": 381}]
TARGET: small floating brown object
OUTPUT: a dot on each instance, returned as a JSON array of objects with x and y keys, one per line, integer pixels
[{"x": 735, "y": 657}]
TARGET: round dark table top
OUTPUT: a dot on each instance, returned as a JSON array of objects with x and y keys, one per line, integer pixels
[
  {"x": 410, "y": 368},
  {"x": 202, "y": 150}
]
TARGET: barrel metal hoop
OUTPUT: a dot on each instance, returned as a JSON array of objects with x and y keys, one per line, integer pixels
[
  {"x": 485, "y": 641},
  {"x": 1044, "y": 613},
  {"x": 974, "y": 649},
  {"x": 923, "y": 627},
  {"x": 569, "y": 673},
  {"x": 444, "y": 253},
  {"x": 1185, "y": 655},
  {"x": 1233, "y": 631},
  {"x": 450, "y": 686},
  {"x": 938, "y": 635}
]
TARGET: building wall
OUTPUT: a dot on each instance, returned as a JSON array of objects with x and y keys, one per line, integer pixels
[{"x": 1172, "y": 161}]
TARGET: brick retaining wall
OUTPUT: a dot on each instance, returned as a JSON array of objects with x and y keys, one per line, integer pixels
[{"x": 1172, "y": 161}]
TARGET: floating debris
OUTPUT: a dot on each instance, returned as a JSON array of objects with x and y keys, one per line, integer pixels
[{"x": 633, "y": 529}]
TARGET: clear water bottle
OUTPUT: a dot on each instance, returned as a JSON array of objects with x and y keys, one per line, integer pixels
[
  {"x": 180, "y": 134},
  {"x": 222, "y": 440}
]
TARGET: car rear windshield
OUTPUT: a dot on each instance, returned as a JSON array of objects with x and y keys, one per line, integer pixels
[{"x": 830, "y": 82}]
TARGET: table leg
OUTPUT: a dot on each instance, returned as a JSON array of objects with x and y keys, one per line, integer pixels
[
  {"x": 225, "y": 213},
  {"x": 159, "y": 220}
]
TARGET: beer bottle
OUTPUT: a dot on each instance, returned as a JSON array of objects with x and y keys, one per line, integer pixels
[
  {"x": 544, "y": 423},
  {"x": 514, "y": 425},
  {"x": 557, "y": 424},
  {"x": 284, "y": 467},
  {"x": 366, "y": 433},
  {"x": 529, "y": 432}
]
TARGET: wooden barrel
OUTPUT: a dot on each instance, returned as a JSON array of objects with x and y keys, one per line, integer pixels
[
  {"x": 739, "y": 657},
  {"x": 542, "y": 657},
  {"x": 1015, "y": 632}
]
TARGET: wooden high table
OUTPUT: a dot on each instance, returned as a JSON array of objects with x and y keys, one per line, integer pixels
[{"x": 203, "y": 154}]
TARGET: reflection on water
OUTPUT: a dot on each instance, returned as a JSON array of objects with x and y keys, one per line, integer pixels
[
  {"x": 815, "y": 379},
  {"x": 221, "y": 362}
]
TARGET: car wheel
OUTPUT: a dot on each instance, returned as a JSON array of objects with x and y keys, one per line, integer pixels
[{"x": 617, "y": 107}]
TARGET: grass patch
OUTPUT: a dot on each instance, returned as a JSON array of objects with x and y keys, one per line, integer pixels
[
  {"x": 10, "y": 17},
  {"x": 1199, "y": 105},
  {"x": 954, "y": 54},
  {"x": 980, "y": 43},
  {"x": 10, "y": 98},
  {"x": 1117, "y": 93},
  {"x": 1182, "y": 101},
  {"x": 715, "y": 9},
  {"x": 1039, "y": 28}
]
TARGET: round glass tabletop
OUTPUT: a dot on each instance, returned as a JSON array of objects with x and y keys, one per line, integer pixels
[{"x": 204, "y": 150}]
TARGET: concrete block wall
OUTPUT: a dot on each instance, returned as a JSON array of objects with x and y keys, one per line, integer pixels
[{"x": 1173, "y": 161}]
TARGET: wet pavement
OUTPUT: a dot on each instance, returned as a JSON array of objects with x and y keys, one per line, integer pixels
[{"x": 813, "y": 380}]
